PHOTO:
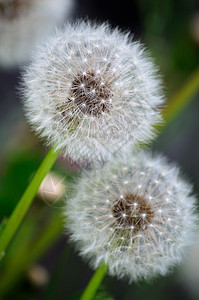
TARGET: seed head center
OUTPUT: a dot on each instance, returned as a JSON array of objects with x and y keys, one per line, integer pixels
[
  {"x": 133, "y": 211},
  {"x": 91, "y": 94}
]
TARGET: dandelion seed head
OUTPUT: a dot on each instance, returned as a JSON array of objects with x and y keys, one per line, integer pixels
[
  {"x": 138, "y": 235},
  {"x": 83, "y": 92}
]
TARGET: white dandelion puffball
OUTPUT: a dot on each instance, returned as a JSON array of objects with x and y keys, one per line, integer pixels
[
  {"x": 24, "y": 23},
  {"x": 91, "y": 91},
  {"x": 135, "y": 215}
]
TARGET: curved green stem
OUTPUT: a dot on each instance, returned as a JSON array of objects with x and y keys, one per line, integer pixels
[
  {"x": 24, "y": 203},
  {"x": 94, "y": 283}
]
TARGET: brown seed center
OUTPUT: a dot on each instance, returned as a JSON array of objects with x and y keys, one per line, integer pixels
[
  {"x": 133, "y": 211},
  {"x": 91, "y": 94}
]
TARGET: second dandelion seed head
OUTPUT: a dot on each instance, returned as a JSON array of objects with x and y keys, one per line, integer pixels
[
  {"x": 24, "y": 24},
  {"x": 136, "y": 215}
]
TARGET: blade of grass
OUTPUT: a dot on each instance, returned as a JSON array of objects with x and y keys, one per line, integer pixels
[
  {"x": 24, "y": 203},
  {"x": 94, "y": 283}
]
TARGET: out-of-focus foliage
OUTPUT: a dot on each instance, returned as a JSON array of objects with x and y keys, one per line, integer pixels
[
  {"x": 16, "y": 176},
  {"x": 167, "y": 30}
]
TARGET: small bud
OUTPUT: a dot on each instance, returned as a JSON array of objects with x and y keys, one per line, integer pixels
[
  {"x": 52, "y": 188},
  {"x": 38, "y": 276}
]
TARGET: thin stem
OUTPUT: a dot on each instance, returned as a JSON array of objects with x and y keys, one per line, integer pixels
[
  {"x": 94, "y": 283},
  {"x": 24, "y": 203}
]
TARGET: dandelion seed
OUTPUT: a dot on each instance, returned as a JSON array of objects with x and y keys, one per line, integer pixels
[
  {"x": 145, "y": 237},
  {"x": 24, "y": 23},
  {"x": 111, "y": 107}
]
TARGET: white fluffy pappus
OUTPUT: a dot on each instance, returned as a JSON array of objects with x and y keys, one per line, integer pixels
[
  {"x": 25, "y": 23},
  {"x": 136, "y": 215},
  {"x": 91, "y": 91}
]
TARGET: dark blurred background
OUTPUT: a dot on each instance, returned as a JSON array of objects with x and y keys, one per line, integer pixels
[{"x": 40, "y": 264}]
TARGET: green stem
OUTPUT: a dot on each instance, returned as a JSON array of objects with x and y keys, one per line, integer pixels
[
  {"x": 26, "y": 200},
  {"x": 94, "y": 283}
]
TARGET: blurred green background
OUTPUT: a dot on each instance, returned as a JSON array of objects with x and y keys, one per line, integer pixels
[{"x": 40, "y": 263}]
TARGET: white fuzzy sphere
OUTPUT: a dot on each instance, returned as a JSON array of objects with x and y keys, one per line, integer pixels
[
  {"x": 25, "y": 23},
  {"x": 91, "y": 91},
  {"x": 136, "y": 215}
]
